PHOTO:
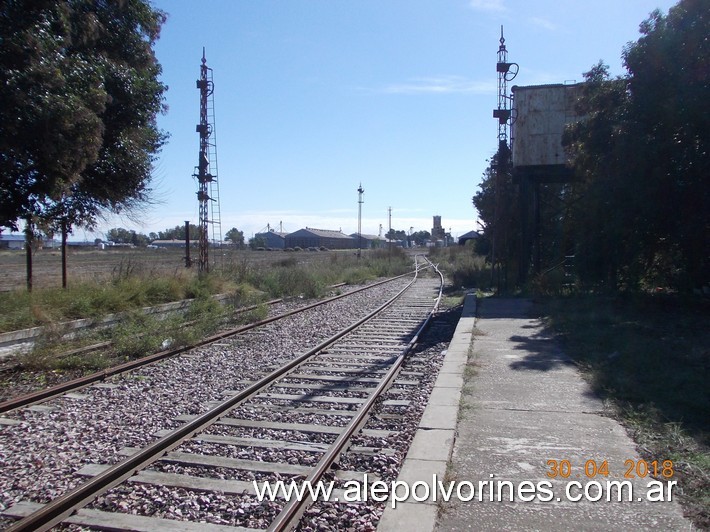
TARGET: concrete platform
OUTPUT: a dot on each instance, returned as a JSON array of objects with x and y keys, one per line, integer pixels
[{"x": 523, "y": 405}]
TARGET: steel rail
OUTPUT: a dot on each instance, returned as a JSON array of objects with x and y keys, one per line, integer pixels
[
  {"x": 80, "y": 382},
  {"x": 62, "y": 507},
  {"x": 290, "y": 515},
  {"x": 99, "y": 345}
]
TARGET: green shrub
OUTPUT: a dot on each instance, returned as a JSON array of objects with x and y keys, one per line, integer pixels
[
  {"x": 136, "y": 336},
  {"x": 462, "y": 266}
]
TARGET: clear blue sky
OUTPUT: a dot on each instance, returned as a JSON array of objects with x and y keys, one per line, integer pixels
[{"x": 314, "y": 97}]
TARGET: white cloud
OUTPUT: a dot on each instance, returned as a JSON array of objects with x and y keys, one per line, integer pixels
[
  {"x": 441, "y": 85},
  {"x": 491, "y": 6},
  {"x": 541, "y": 77},
  {"x": 543, "y": 23}
]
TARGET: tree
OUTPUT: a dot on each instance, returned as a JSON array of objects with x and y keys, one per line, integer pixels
[
  {"x": 394, "y": 234},
  {"x": 420, "y": 237},
  {"x": 235, "y": 236},
  {"x": 119, "y": 235},
  {"x": 257, "y": 242},
  {"x": 603, "y": 222},
  {"x": 498, "y": 206},
  {"x": 669, "y": 87},
  {"x": 139, "y": 239},
  {"x": 642, "y": 215},
  {"x": 178, "y": 233},
  {"x": 79, "y": 95}
]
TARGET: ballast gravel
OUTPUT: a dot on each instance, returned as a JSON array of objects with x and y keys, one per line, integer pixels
[{"x": 39, "y": 456}]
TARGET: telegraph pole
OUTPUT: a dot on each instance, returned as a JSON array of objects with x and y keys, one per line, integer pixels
[
  {"x": 360, "y": 192},
  {"x": 389, "y": 240}
]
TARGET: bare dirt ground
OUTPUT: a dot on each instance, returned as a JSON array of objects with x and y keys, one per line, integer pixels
[{"x": 84, "y": 265}]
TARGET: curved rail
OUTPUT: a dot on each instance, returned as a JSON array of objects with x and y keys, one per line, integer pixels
[{"x": 290, "y": 515}]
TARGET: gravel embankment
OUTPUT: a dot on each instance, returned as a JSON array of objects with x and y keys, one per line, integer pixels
[
  {"x": 244, "y": 510},
  {"x": 39, "y": 456}
]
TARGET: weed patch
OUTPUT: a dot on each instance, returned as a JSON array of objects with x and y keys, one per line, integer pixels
[
  {"x": 462, "y": 266},
  {"x": 648, "y": 356},
  {"x": 136, "y": 335}
]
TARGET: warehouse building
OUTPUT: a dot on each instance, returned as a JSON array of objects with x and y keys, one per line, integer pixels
[
  {"x": 12, "y": 241},
  {"x": 317, "y": 238},
  {"x": 17, "y": 242},
  {"x": 272, "y": 239},
  {"x": 367, "y": 241},
  {"x": 467, "y": 237},
  {"x": 174, "y": 243}
]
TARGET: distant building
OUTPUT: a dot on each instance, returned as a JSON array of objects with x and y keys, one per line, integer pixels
[
  {"x": 12, "y": 241},
  {"x": 174, "y": 243},
  {"x": 317, "y": 238},
  {"x": 396, "y": 243},
  {"x": 273, "y": 239},
  {"x": 79, "y": 244},
  {"x": 367, "y": 241},
  {"x": 466, "y": 237},
  {"x": 437, "y": 232},
  {"x": 18, "y": 242}
]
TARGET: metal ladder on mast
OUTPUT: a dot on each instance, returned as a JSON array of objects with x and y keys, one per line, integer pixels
[{"x": 215, "y": 218}]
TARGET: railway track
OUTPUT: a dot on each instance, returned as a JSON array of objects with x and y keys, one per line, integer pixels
[
  {"x": 307, "y": 413},
  {"x": 80, "y": 382}
]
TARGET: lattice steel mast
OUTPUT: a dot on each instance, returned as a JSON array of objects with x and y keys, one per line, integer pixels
[
  {"x": 506, "y": 72},
  {"x": 206, "y": 169}
]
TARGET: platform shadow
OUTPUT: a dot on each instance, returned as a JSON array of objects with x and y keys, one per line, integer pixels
[
  {"x": 542, "y": 351},
  {"x": 542, "y": 354}
]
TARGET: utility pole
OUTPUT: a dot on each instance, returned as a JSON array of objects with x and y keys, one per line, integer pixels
[
  {"x": 389, "y": 211},
  {"x": 29, "y": 240},
  {"x": 360, "y": 192},
  {"x": 188, "y": 260}
]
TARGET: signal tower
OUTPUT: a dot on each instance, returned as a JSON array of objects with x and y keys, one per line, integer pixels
[
  {"x": 206, "y": 170},
  {"x": 506, "y": 72},
  {"x": 360, "y": 192}
]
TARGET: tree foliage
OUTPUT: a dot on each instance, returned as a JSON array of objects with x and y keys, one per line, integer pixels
[
  {"x": 119, "y": 235},
  {"x": 638, "y": 212},
  {"x": 420, "y": 237},
  {"x": 643, "y": 215},
  {"x": 257, "y": 242},
  {"x": 178, "y": 233},
  {"x": 79, "y": 95},
  {"x": 498, "y": 206},
  {"x": 600, "y": 147},
  {"x": 235, "y": 236},
  {"x": 669, "y": 86},
  {"x": 394, "y": 234}
]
